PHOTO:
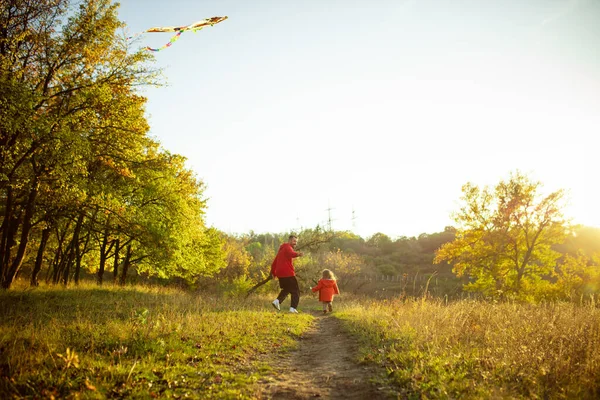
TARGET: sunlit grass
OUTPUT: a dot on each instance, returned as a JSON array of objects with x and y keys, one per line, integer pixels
[
  {"x": 469, "y": 349},
  {"x": 98, "y": 342},
  {"x": 141, "y": 342}
]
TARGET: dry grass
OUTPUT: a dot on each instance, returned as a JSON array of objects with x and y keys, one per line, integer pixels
[{"x": 470, "y": 349}]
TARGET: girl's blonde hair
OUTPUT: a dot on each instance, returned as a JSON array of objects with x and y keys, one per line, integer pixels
[{"x": 327, "y": 274}]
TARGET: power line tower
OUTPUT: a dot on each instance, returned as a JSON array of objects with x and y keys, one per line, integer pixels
[
  {"x": 353, "y": 220},
  {"x": 329, "y": 219}
]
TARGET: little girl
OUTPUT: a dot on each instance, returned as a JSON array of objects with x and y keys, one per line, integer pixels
[{"x": 327, "y": 287}]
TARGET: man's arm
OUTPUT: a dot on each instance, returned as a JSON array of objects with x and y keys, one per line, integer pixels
[{"x": 289, "y": 250}]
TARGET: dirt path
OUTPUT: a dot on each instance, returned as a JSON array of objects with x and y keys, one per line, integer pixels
[{"x": 323, "y": 366}]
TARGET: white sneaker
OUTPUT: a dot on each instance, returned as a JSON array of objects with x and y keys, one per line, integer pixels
[
  {"x": 293, "y": 310},
  {"x": 276, "y": 304}
]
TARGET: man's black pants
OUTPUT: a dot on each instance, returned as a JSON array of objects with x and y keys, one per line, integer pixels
[{"x": 289, "y": 285}]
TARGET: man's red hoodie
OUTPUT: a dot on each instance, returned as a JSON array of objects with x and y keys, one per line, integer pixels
[{"x": 282, "y": 266}]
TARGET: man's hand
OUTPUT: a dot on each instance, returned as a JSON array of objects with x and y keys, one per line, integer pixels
[{"x": 300, "y": 254}]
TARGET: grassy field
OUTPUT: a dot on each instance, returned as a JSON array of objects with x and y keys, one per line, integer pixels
[
  {"x": 90, "y": 342},
  {"x": 469, "y": 349},
  {"x": 109, "y": 342}
]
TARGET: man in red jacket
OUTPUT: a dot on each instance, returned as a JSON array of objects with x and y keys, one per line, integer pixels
[{"x": 283, "y": 268}]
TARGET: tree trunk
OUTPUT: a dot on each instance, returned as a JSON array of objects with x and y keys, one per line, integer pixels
[
  {"x": 104, "y": 250},
  {"x": 65, "y": 265},
  {"x": 77, "y": 264},
  {"x": 79, "y": 255},
  {"x": 72, "y": 249},
  {"x": 57, "y": 263},
  {"x": 126, "y": 264},
  {"x": 40, "y": 256},
  {"x": 116, "y": 261},
  {"x": 10, "y": 224},
  {"x": 25, "y": 229},
  {"x": 4, "y": 231},
  {"x": 52, "y": 270}
]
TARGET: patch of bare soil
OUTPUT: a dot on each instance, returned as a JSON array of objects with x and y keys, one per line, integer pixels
[{"x": 324, "y": 366}]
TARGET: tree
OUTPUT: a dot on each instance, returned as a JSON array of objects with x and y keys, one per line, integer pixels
[
  {"x": 58, "y": 82},
  {"x": 238, "y": 259},
  {"x": 78, "y": 173},
  {"x": 380, "y": 241},
  {"x": 505, "y": 237},
  {"x": 577, "y": 276},
  {"x": 344, "y": 264},
  {"x": 162, "y": 228}
]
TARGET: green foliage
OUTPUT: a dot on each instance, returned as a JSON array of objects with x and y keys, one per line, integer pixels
[
  {"x": 505, "y": 238},
  {"x": 577, "y": 276},
  {"x": 354, "y": 260},
  {"x": 165, "y": 221},
  {"x": 76, "y": 158},
  {"x": 236, "y": 288},
  {"x": 237, "y": 257},
  {"x": 410, "y": 261},
  {"x": 380, "y": 241}
]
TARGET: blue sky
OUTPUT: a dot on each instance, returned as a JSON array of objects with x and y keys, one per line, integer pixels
[{"x": 376, "y": 109}]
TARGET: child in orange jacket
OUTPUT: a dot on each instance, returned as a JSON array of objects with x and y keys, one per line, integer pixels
[{"x": 327, "y": 288}]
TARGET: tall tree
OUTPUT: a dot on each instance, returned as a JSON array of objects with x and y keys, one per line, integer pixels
[
  {"x": 237, "y": 257},
  {"x": 57, "y": 84},
  {"x": 505, "y": 237},
  {"x": 163, "y": 225}
]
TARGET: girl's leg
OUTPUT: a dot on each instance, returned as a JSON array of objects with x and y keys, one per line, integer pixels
[
  {"x": 330, "y": 306},
  {"x": 324, "y": 307}
]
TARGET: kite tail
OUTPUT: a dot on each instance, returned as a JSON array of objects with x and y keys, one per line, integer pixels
[{"x": 173, "y": 40}]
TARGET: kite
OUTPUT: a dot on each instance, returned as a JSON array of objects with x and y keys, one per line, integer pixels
[{"x": 196, "y": 26}]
